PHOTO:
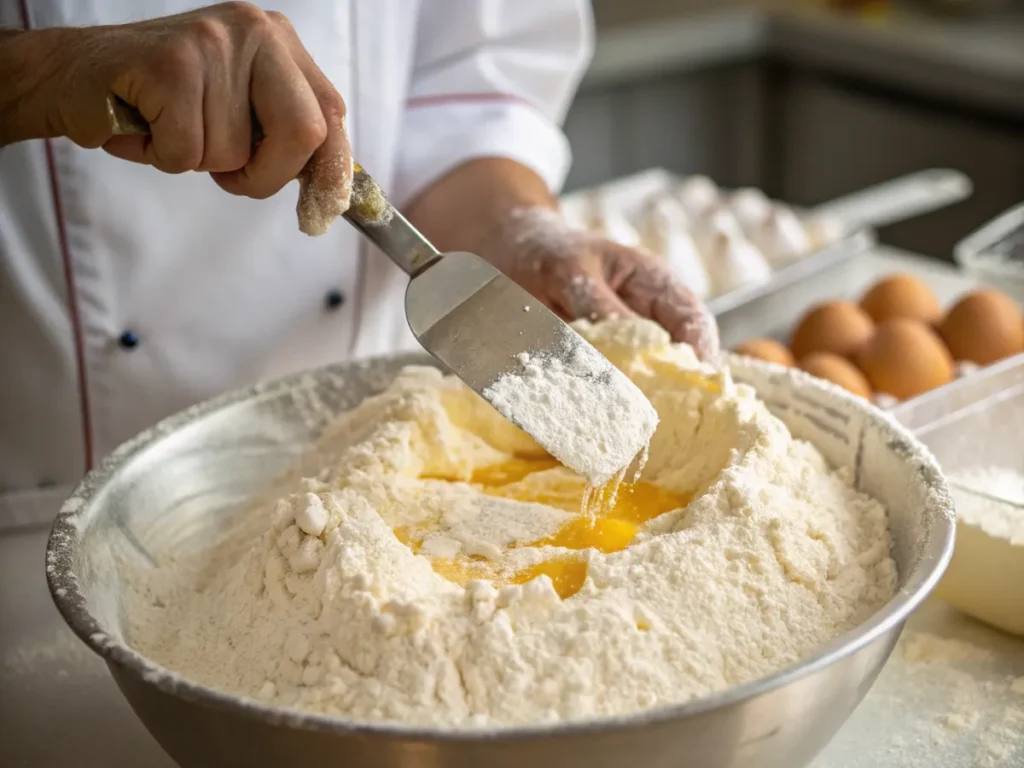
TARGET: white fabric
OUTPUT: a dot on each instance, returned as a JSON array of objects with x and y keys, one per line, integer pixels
[{"x": 222, "y": 291}]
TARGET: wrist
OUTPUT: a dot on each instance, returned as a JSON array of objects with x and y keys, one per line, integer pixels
[
  {"x": 32, "y": 64},
  {"x": 469, "y": 209}
]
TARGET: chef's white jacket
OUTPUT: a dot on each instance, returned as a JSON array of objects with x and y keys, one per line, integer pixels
[{"x": 126, "y": 294}]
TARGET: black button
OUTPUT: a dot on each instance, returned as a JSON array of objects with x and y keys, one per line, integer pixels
[
  {"x": 334, "y": 299},
  {"x": 128, "y": 340}
]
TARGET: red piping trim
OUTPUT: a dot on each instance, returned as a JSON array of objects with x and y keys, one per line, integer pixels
[
  {"x": 456, "y": 98},
  {"x": 69, "y": 281}
]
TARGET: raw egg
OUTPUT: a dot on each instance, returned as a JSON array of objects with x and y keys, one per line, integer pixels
[
  {"x": 902, "y": 296},
  {"x": 905, "y": 358},
  {"x": 769, "y": 350},
  {"x": 838, "y": 370},
  {"x": 983, "y": 327},
  {"x": 840, "y": 327}
]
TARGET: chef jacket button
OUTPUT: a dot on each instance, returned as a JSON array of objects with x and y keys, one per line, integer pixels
[
  {"x": 334, "y": 299},
  {"x": 128, "y": 340}
]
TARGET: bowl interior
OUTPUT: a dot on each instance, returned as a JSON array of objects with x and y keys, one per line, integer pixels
[{"x": 180, "y": 486}]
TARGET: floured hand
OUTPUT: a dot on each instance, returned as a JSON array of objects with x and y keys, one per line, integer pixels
[{"x": 581, "y": 275}]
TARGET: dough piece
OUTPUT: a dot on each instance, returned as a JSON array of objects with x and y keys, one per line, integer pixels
[
  {"x": 666, "y": 234},
  {"x": 751, "y": 207},
  {"x": 698, "y": 194},
  {"x": 733, "y": 262},
  {"x": 782, "y": 237}
]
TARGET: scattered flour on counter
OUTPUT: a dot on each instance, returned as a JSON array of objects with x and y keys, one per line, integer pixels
[
  {"x": 55, "y": 654},
  {"x": 927, "y": 648},
  {"x": 959, "y": 672},
  {"x": 396, "y": 575},
  {"x": 583, "y": 411}
]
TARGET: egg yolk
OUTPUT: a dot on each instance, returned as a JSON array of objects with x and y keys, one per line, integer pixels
[
  {"x": 606, "y": 519},
  {"x": 567, "y": 575}
]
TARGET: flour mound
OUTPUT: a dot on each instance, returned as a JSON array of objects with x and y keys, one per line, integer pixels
[{"x": 339, "y": 603}]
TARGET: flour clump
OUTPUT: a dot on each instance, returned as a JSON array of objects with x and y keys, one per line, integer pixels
[{"x": 428, "y": 563}]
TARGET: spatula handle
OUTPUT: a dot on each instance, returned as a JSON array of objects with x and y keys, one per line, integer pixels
[
  {"x": 374, "y": 216},
  {"x": 126, "y": 120},
  {"x": 370, "y": 211}
]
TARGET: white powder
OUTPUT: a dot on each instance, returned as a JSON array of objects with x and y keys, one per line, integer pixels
[
  {"x": 583, "y": 411},
  {"x": 959, "y": 684},
  {"x": 775, "y": 555},
  {"x": 1001, "y": 520}
]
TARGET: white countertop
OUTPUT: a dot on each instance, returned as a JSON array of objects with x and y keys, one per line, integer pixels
[{"x": 951, "y": 708}]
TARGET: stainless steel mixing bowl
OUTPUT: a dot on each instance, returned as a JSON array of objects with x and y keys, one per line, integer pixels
[{"x": 174, "y": 487}]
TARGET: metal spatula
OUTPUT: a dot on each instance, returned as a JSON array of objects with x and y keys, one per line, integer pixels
[
  {"x": 482, "y": 326},
  {"x": 486, "y": 330}
]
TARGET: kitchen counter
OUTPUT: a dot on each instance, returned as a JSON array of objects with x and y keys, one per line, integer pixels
[
  {"x": 945, "y": 698},
  {"x": 975, "y": 62}
]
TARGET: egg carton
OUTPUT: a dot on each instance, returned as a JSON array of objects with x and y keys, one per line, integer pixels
[{"x": 732, "y": 247}]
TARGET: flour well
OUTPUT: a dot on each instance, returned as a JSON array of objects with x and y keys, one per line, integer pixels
[{"x": 428, "y": 563}]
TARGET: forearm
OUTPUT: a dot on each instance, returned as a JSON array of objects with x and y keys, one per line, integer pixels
[
  {"x": 466, "y": 209},
  {"x": 31, "y": 72}
]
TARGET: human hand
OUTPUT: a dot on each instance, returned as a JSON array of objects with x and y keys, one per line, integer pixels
[
  {"x": 198, "y": 78},
  {"x": 579, "y": 274}
]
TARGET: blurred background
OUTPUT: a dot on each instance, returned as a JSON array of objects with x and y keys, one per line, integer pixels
[{"x": 810, "y": 99}]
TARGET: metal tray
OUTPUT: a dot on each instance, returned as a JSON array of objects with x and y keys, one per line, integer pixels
[{"x": 885, "y": 203}]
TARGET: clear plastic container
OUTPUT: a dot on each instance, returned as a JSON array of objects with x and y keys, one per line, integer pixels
[
  {"x": 976, "y": 421},
  {"x": 994, "y": 253}
]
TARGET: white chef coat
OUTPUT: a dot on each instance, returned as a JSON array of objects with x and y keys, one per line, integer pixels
[{"x": 126, "y": 294}]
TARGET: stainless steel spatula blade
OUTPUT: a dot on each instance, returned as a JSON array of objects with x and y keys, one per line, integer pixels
[
  {"x": 487, "y": 330},
  {"x": 475, "y": 320}
]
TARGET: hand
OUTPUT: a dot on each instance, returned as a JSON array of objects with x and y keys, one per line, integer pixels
[
  {"x": 503, "y": 211},
  {"x": 582, "y": 275},
  {"x": 197, "y": 78}
]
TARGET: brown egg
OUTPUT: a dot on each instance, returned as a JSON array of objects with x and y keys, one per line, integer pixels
[
  {"x": 902, "y": 296},
  {"x": 840, "y": 327},
  {"x": 905, "y": 358},
  {"x": 983, "y": 327},
  {"x": 766, "y": 349},
  {"x": 838, "y": 370}
]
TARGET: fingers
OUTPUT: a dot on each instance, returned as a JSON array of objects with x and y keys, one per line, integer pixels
[
  {"x": 651, "y": 290},
  {"x": 582, "y": 292},
  {"x": 293, "y": 124},
  {"x": 228, "y": 114},
  {"x": 198, "y": 79}
]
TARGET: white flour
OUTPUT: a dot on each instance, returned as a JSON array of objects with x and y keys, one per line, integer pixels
[
  {"x": 318, "y": 601},
  {"x": 580, "y": 409}
]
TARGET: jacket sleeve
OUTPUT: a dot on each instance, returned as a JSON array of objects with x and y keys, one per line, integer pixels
[{"x": 492, "y": 78}]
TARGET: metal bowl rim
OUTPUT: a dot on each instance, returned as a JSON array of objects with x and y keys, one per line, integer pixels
[{"x": 65, "y": 535}]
